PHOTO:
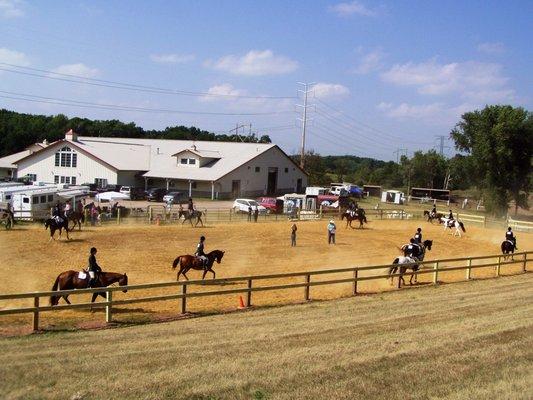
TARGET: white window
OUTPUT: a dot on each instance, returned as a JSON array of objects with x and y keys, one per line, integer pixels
[
  {"x": 187, "y": 161},
  {"x": 66, "y": 157},
  {"x": 192, "y": 161},
  {"x": 100, "y": 182},
  {"x": 56, "y": 178},
  {"x": 183, "y": 160}
]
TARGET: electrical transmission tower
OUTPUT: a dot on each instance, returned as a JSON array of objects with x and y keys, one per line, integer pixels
[
  {"x": 398, "y": 153},
  {"x": 238, "y": 127},
  {"x": 307, "y": 89},
  {"x": 441, "y": 139}
]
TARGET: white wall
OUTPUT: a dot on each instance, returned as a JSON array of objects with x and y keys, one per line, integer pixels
[
  {"x": 43, "y": 165},
  {"x": 255, "y": 183}
]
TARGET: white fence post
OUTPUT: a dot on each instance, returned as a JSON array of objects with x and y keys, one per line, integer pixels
[
  {"x": 498, "y": 266},
  {"x": 108, "y": 308}
]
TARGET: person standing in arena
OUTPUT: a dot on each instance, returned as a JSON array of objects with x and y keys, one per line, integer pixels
[
  {"x": 331, "y": 232},
  {"x": 294, "y": 228}
]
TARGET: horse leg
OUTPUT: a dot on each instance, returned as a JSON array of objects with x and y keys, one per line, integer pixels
[
  {"x": 66, "y": 299},
  {"x": 205, "y": 272},
  {"x": 200, "y": 220}
]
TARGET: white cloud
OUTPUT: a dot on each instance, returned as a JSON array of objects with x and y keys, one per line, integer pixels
[
  {"x": 369, "y": 62},
  {"x": 172, "y": 58},
  {"x": 13, "y": 57},
  {"x": 405, "y": 110},
  {"x": 11, "y": 9},
  {"x": 78, "y": 69},
  {"x": 354, "y": 7},
  {"x": 473, "y": 80},
  {"x": 227, "y": 96},
  {"x": 330, "y": 90},
  {"x": 255, "y": 63},
  {"x": 224, "y": 91},
  {"x": 491, "y": 48}
]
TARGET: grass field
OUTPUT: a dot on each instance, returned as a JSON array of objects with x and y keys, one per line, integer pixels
[
  {"x": 30, "y": 263},
  {"x": 467, "y": 340}
]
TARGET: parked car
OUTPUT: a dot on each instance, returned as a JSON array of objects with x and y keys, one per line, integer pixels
[
  {"x": 155, "y": 194},
  {"x": 175, "y": 197},
  {"x": 241, "y": 205},
  {"x": 272, "y": 204},
  {"x": 126, "y": 190}
]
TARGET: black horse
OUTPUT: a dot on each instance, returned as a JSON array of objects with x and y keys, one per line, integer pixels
[
  {"x": 508, "y": 247},
  {"x": 430, "y": 216},
  {"x": 54, "y": 225},
  {"x": 356, "y": 215},
  {"x": 189, "y": 216},
  {"x": 417, "y": 256}
]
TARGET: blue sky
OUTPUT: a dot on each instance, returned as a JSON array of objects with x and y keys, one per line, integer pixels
[{"x": 388, "y": 74}]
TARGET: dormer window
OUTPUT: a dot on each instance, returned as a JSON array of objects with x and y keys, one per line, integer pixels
[
  {"x": 187, "y": 161},
  {"x": 66, "y": 157}
]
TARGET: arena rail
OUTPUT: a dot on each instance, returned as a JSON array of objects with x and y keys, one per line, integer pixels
[{"x": 434, "y": 267}]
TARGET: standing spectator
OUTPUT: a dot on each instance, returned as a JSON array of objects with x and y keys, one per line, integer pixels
[
  {"x": 256, "y": 213},
  {"x": 79, "y": 207},
  {"x": 294, "y": 228},
  {"x": 94, "y": 215},
  {"x": 249, "y": 213},
  {"x": 331, "y": 232},
  {"x": 68, "y": 209}
]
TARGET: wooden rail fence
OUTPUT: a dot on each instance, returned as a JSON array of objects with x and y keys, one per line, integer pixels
[{"x": 434, "y": 267}]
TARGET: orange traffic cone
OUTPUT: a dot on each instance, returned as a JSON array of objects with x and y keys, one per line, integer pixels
[{"x": 241, "y": 302}]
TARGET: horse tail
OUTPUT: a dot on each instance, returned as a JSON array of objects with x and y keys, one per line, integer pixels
[
  {"x": 394, "y": 266},
  {"x": 55, "y": 299},
  {"x": 462, "y": 226},
  {"x": 176, "y": 262}
]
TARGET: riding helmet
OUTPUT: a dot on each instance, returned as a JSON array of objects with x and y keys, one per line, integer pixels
[
  {"x": 419, "y": 230},
  {"x": 93, "y": 249},
  {"x": 202, "y": 238}
]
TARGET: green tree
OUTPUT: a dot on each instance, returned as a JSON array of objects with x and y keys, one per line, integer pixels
[{"x": 500, "y": 141}]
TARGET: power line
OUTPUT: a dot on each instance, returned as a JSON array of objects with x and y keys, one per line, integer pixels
[
  {"x": 398, "y": 153},
  {"x": 85, "y": 104},
  {"x": 46, "y": 74}
]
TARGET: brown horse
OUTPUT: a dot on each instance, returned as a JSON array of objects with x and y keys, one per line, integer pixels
[
  {"x": 188, "y": 262},
  {"x": 78, "y": 218},
  {"x": 189, "y": 216},
  {"x": 431, "y": 217},
  {"x": 69, "y": 280},
  {"x": 358, "y": 215}
]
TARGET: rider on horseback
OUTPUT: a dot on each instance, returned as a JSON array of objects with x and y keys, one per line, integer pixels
[
  {"x": 93, "y": 268},
  {"x": 434, "y": 211},
  {"x": 411, "y": 249},
  {"x": 418, "y": 236},
  {"x": 56, "y": 212},
  {"x": 200, "y": 251},
  {"x": 190, "y": 206},
  {"x": 509, "y": 235},
  {"x": 67, "y": 210}
]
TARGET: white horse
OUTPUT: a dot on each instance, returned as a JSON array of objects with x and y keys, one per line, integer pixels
[
  {"x": 453, "y": 223},
  {"x": 398, "y": 262}
]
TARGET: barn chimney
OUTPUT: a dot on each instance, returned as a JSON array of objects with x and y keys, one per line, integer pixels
[{"x": 71, "y": 135}]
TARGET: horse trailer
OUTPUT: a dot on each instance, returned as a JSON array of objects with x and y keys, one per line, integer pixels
[
  {"x": 393, "y": 196},
  {"x": 7, "y": 192}
]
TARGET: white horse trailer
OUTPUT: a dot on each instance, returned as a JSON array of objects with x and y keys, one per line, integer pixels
[
  {"x": 37, "y": 203},
  {"x": 7, "y": 192},
  {"x": 393, "y": 196}
]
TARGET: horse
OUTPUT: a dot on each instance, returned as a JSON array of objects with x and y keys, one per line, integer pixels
[
  {"x": 78, "y": 218},
  {"x": 6, "y": 218},
  {"x": 54, "y": 226},
  {"x": 187, "y": 262},
  {"x": 190, "y": 215},
  {"x": 426, "y": 244},
  {"x": 69, "y": 280},
  {"x": 508, "y": 247},
  {"x": 431, "y": 217},
  {"x": 358, "y": 215},
  {"x": 452, "y": 223}
]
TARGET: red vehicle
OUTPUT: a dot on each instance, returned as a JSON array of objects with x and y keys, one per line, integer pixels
[{"x": 272, "y": 204}]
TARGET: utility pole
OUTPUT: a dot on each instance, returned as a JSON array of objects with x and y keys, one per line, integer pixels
[
  {"x": 398, "y": 153},
  {"x": 236, "y": 129},
  {"x": 305, "y": 92},
  {"x": 441, "y": 139}
]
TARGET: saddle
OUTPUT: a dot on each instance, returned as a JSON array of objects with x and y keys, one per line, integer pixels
[
  {"x": 83, "y": 274},
  {"x": 510, "y": 241}
]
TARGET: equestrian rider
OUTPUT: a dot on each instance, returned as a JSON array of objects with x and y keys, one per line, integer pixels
[
  {"x": 450, "y": 215},
  {"x": 434, "y": 211},
  {"x": 56, "y": 212},
  {"x": 67, "y": 209},
  {"x": 418, "y": 236},
  {"x": 411, "y": 249},
  {"x": 509, "y": 235},
  {"x": 200, "y": 251},
  {"x": 93, "y": 268},
  {"x": 190, "y": 206}
]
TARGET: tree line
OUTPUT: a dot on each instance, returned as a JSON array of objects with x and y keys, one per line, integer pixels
[{"x": 18, "y": 131}]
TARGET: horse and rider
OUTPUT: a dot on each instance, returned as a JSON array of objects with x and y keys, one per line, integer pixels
[
  {"x": 354, "y": 214},
  {"x": 199, "y": 261},
  {"x": 93, "y": 277},
  {"x": 413, "y": 252},
  {"x": 509, "y": 244}
]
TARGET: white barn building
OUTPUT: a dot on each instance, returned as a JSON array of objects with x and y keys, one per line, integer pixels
[{"x": 199, "y": 168}]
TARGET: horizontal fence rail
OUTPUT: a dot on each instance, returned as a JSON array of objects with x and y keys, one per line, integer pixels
[{"x": 433, "y": 267}]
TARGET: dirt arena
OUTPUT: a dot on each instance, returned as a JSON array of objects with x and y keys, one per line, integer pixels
[{"x": 30, "y": 263}]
